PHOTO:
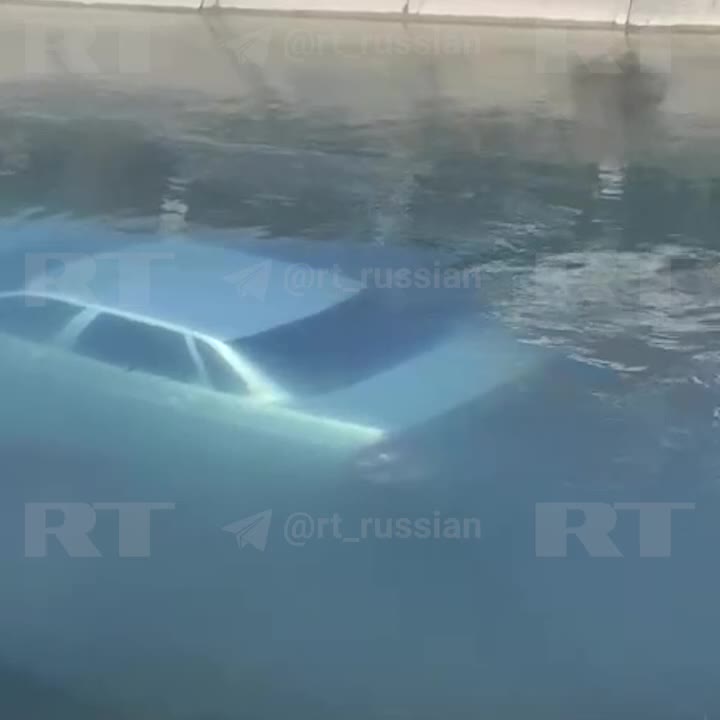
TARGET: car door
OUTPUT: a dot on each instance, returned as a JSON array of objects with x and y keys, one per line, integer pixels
[
  {"x": 143, "y": 392},
  {"x": 102, "y": 387},
  {"x": 166, "y": 404},
  {"x": 29, "y": 365}
]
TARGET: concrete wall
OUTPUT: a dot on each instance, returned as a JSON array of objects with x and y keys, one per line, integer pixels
[
  {"x": 360, "y": 72},
  {"x": 687, "y": 14}
]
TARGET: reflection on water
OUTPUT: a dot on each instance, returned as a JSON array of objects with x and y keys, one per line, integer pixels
[{"x": 591, "y": 241}]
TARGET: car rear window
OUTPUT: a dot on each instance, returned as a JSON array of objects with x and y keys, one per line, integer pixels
[
  {"x": 34, "y": 317},
  {"x": 348, "y": 343}
]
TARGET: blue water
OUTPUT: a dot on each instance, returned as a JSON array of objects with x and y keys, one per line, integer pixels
[{"x": 606, "y": 260}]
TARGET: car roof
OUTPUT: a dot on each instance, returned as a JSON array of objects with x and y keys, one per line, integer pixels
[{"x": 216, "y": 291}]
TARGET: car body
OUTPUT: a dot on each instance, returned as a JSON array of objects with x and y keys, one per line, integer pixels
[
  {"x": 202, "y": 380},
  {"x": 214, "y": 343}
]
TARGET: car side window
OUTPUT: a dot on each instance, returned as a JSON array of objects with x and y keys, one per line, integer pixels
[
  {"x": 134, "y": 345},
  {"x": 35, "y": 317},
  {"x": 221, "y": 376}
]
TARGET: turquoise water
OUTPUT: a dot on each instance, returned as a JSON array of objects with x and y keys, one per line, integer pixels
[{"x": 590, "y": 235}]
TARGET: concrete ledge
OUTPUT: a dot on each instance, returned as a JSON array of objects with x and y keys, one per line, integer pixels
[
  {"x": 352, "y": 7},
  {"x": 116, "y": 4},
  {"x": 596, "y": 12},
  {"x": 695, "y": 14},
  {"x": 633, "y": 14}
]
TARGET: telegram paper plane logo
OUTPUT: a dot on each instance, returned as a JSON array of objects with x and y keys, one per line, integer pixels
[
  {"x": 251, "y": 530},
  {"x": 252, "y": 282},
  {"x": 252, "y": 48}
]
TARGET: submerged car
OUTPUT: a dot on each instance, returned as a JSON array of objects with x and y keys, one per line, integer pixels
[
  {"x": 216, "y": 353},
  {"x": 205, "y": 381}
]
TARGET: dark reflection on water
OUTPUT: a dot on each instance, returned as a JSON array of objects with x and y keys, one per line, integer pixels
[{"x": 599, "y": 253}]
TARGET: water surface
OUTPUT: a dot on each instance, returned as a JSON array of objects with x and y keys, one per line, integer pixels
[{"x": 575, "y": 175}]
